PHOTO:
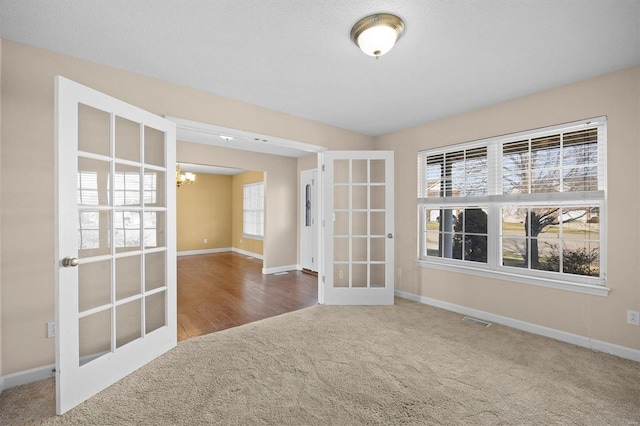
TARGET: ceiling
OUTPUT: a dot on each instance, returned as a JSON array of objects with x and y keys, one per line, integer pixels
[{"x": 296, "y": 56}]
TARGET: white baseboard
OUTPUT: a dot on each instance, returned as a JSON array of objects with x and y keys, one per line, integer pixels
[
  {"x": 28, "y": 376},
  {"x": 585, "y": 342},
  {"x": 277, "y": 269},
  {"x": 247, "y": 253},
  {"x": 1, "y": 384},
  {"x": 205, "y": 251}
]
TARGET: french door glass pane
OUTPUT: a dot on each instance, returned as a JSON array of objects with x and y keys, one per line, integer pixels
[
  {"x": 94, "y": 130},
  {"x": 128, "y": 276},
  {"x": 93, "y": 182},
  {"x": 341, "y": 249},
  {"x": 378, "y": 275},
  {"x": 341, "y": 223},
  {"x": 359, "y": 223},
  {"x": 377, "y": 223},
  {"x": 126, "y": 186},
  {"x": 359, "y": 171},
  {"x": 153, "y": 188},
  {"x": 154, "y": 229},
  {"x": 340, "y": 197},
  {"x": 359, "y": 249},
  {"x": 154, "y": 270},
  {"x": 341, "y": 275},
  {"x": 94, "y": 227},
  {"x": 377, "y": 247},
  {"x": 341, "y": 171},
  {"x": 359, "y": 275},
  {"x": 377, "y": 197},
  {"x": 154, "y": 149},
  {"x": 377, "y": 171},
  {"x": 155, "y": 316},
  {"x": 127, "y": 230},
  {"x": 128, "y": 322},
  {"x": 94, "y": 336},
  {"x": 127, "y": 137},
  {"x": 94, "y": 285},
  {"x": 359, "y": 198}
]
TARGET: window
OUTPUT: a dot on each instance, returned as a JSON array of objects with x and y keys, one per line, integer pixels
[
  {"x": 253, "y": 210},
  {"x": 527, "y": 205}
]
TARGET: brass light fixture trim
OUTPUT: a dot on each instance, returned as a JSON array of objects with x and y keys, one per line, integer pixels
[{"x": 376, "y": 20}]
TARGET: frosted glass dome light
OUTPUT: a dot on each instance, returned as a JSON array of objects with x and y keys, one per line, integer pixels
[{"x": 375, "y": 35}]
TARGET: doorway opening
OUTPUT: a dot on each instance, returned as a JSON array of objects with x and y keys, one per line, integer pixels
[{"x": 220, "y": 238}]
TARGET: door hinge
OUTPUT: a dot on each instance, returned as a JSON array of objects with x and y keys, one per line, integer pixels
[
  {"x": 323, "y": 167},
  {"x": 323, "y": 278}
]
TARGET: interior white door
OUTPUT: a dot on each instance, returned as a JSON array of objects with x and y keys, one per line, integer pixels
[
  {"x": 357, "y": 229},
  {"x": 116, "y": 280},
  {"x": 308, "y": 221}
]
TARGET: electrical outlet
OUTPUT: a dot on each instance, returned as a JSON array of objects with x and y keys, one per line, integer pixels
[
  {"x": 633, "y": 317},
  {"x": 51, "y": 329},
  {"x": 205, "y": 241},
  {"x": 399, "y": 272}
]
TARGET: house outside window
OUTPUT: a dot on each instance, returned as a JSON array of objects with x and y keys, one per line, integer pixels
[
  {"x": 253, "y": 210},
  {"x": 529, "y": 205}
]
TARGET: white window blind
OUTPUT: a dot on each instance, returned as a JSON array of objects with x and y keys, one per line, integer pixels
[{"x": 253, "y": 210}]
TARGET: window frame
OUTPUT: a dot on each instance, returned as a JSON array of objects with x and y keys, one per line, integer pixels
[
  {"x": 495, "y": 200},
  {"x": 246, "y": 210}
]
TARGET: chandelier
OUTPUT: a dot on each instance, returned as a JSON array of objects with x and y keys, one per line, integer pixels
[{"x": 183, "y": 178}]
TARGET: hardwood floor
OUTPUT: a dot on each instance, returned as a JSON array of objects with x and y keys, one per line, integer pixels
[{"x": 222, "y": 290}]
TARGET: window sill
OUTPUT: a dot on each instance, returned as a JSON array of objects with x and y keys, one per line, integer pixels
[
  {"x": 592, "y": 289},
  {"x": 253, "y": 237}
]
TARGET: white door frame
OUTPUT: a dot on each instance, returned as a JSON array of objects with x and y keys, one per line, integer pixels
[{"x": 309, "y": 233}]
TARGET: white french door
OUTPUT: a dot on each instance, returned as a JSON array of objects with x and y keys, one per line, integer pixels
[
  {"x": 357, "y": 231},
  {"x": 116, "y": 280}
]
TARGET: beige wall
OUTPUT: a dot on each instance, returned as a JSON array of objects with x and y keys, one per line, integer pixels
[
  {"x": 27, "y": 210},
  {"x": 615, "y": 95},
  {"x": 279, "y": 245},
  {"x": 204, "y": 212},
  {"x": 239, "y": 241}
]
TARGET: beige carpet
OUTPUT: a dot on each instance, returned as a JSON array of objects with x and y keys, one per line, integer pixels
[{"x": 404, "y": 364}]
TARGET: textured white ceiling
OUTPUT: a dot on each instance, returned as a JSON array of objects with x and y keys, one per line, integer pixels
[{"x": 296, "y": 56}]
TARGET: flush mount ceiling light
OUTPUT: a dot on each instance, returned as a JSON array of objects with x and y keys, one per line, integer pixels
[{"x": 376, "y": 34}]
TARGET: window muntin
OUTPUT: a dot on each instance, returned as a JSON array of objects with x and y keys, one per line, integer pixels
[
  {"x": 541, "y": 194},
  {"x": 253, "y": 210}
]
